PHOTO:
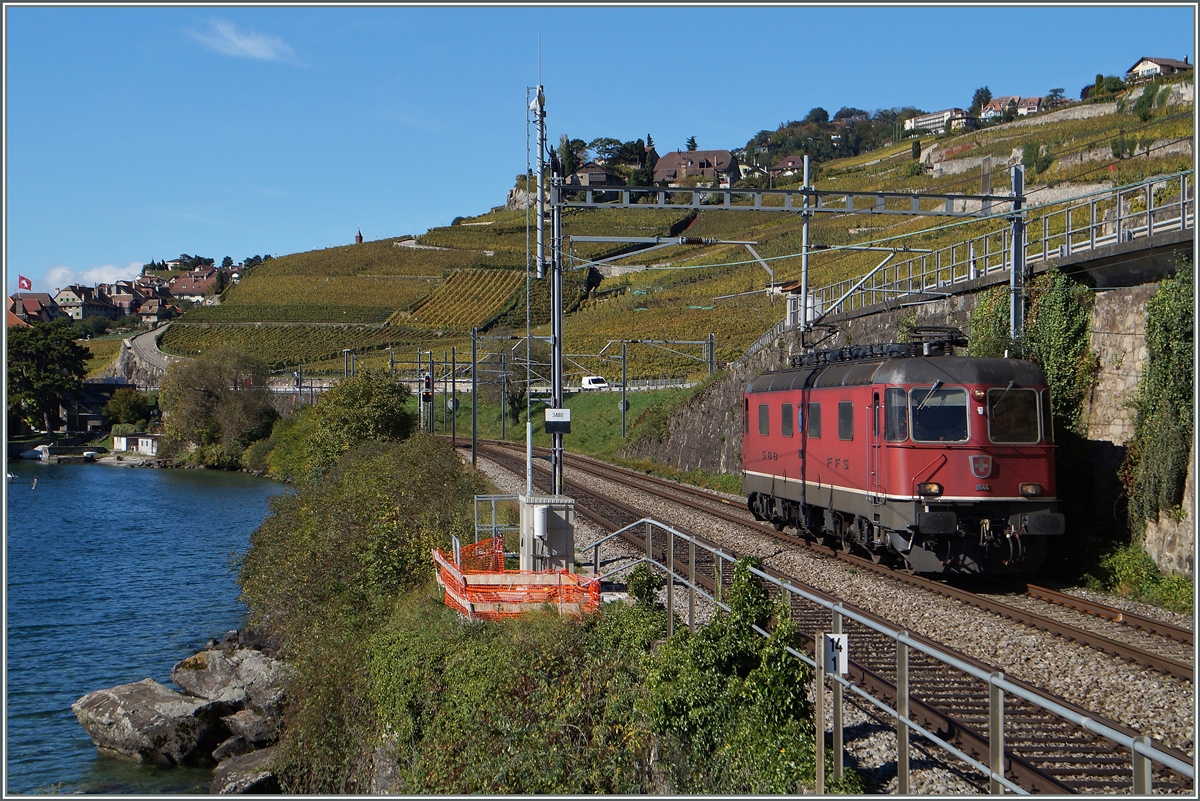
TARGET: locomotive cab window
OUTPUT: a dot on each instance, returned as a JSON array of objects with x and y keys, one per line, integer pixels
[
  {"x": 764, "y": 419},
  {"x": 896, "y": 422},
  {"x": 785, "y": 420},
  {"x": 745, "y": 415},
  {"x": 814, "y": 421},
  {"x": 1012, "y": 415},
  {"x": 846, "y": 420},
  {"x": 939, "y": 414}
]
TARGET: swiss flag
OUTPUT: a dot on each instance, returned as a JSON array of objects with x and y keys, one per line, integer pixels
[{"x": 24, "y": 283}]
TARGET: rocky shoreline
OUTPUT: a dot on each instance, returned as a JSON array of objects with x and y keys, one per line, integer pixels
[{"x": 227, "y": 716}]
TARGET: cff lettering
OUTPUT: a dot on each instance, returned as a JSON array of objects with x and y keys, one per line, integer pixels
[{"x": 840, "y": 463}]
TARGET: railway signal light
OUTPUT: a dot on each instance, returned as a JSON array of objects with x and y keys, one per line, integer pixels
[{"x": 427, "y": 388}]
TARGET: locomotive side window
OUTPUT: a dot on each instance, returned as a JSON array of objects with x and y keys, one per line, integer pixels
[
  {"x": 1047, "y": 419},
  {"x": 745, "y": 415},
  {"x": 814, "y": 421},
  {"x": 764, "y": 419},
  {"x": 785, "y": 419},
  {"x": 896, "y": 423},
  {"x": 1012, "y": 415},
  {"x": 846, "y": 420},
  {"x": 938, "y": 414}
]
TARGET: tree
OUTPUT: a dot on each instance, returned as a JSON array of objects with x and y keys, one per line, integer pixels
[
  {"x": 605, "y": 148},
  {"x": 691, "y": 143},
  {"x": 817, "y": 115},
  {"x": 44, "y": 364},
  {"x": 649, "y": 141},
  {"x": 368, "y": 405},
  {"x": 981, "y": 98},
  {"x": 1055, "y": 97},
  {"x": 916, "y": 149},
  {"x": 220, "y": 398},
  {"x": 127, "y": 406},
  {"x": 226, "y": 262},
  {"x": 1010, "y": 112},
  {"x": 569, "y": 155},
  {"x": 847, "y": 112},
  {"x": 218, "y": 285}
]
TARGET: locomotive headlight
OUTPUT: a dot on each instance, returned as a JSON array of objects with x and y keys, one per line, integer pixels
[
  {"x": 977, "y": 394},
  {"x": 929, "y": 488},
  {"x": 1031, "y": 490}
]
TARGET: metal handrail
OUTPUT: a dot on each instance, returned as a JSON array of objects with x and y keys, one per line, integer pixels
[
  {"x": 1058, "y": 235},
  {"x": 1142, "y": 751}
]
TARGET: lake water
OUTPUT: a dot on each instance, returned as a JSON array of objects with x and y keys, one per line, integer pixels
[{"x": 113, "y": 575}]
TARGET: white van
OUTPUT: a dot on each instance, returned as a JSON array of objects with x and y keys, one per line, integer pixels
[{"x": 593, "y": 382}]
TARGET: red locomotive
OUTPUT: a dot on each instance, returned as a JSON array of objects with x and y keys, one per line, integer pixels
[{"x": 908, "y": 451}]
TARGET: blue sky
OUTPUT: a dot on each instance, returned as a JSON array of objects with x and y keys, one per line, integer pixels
[{"x": 142, "y": 133}]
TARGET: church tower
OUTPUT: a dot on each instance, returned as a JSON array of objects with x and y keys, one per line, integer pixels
[{"x": 358, "y": 237}]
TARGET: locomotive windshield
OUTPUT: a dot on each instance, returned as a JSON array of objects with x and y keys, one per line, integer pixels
[
  {"x": 1012, "y": 415},
  {"x": 939, "y": 414}
]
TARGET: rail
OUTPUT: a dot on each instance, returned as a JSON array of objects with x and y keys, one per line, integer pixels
[{"x": 1142, "y": 751}]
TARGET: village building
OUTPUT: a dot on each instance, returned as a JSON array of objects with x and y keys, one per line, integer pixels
[
  {"x": 951, "y": 119},
  {"x": 1149, "y": 68},
  {"x": 675, "y": 168},
  {"x": 593, "y": 174},
  {"x": 79, "y": 302},
  {"x": 34, "y": 307}
]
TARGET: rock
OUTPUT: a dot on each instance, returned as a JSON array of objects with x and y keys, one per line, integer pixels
[
  {"x": 210, "y": 674},
  {"x": 249, "y": 773},
  {"x": 233, "y": 747},
  {"x": 258, "y": 730},
  {"x": 259, "y": 640},
  {"x": 243, "y": 676},
  {"x": 149, "y": 722},
  {"x": 384, "y": 778}
]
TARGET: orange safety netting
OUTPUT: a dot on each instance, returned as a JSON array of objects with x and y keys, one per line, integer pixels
[{"x": 480, "y": 588}]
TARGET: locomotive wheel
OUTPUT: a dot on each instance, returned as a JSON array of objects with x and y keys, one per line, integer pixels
[
  {"x": 844, "y": 546},
  {"x": 778, "y": 525},
  {"x": 877, "y": 557}
]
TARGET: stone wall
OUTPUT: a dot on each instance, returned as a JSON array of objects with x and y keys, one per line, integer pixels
[{"x": 1171, "y": 542}]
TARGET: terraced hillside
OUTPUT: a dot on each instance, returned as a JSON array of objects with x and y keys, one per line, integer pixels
[
  {"x": 467, "y": 298},
  {"x": 473, "y": 272}
]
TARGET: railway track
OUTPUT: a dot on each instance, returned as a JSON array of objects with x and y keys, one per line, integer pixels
[
  {"x": 1169, "y": 658},
  {"x": 1044, "y": 753}
]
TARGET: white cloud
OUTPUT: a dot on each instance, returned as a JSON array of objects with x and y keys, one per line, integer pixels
[
  {"x": 228, "y": 40},
  {"x": 109, "y": 273}
]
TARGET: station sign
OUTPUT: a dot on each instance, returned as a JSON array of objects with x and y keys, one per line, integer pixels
[{"x": 558, "y": 421}]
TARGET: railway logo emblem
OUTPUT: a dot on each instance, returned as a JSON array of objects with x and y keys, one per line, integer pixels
[{"x": 981, "y": 466}]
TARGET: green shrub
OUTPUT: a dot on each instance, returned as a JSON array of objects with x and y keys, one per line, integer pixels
[{"x": 1129, "y": 571}]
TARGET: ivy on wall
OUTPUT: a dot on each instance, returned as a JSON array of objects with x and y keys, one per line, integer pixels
[
  {"x": 1057, "y": 332},
  {"x": 1156, "y": 462},
  {"x": 1057, "y": 337}
]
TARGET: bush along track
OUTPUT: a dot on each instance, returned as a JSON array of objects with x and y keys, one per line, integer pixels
[{"x": 394, "y": 693}]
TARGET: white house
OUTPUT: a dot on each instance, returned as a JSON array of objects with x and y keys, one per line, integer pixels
[
  {"x": 1155, "y": 67},
  {"x": 144, "y": 444}
]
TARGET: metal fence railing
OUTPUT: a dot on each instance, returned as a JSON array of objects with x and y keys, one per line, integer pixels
[
  {"x": 1141, "y": 750},
  {"x": 1124, "y": 214},
  {"x": 1053, "y": 231}
]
